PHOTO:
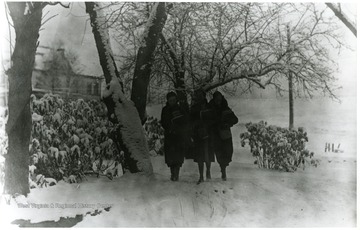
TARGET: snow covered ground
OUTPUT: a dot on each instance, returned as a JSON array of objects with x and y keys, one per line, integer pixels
[{"x": 315, "y": 197}]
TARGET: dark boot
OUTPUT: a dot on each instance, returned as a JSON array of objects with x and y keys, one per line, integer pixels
[
  {"x": 172, "y": 169},
  {"x": 208, "y": 174},
  {"x": 177, "y": 171},
  {"x": 201, "y": 172},
  {"x": 223, "y": 172}
]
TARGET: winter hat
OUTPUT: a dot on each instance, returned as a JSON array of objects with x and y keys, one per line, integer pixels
[
  {"x": 217, "y": 93},
  {"x": 224, "y": 102},
  {"x": 171, "y": 94}
]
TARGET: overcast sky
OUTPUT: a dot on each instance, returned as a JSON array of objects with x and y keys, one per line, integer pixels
[{"x": 72, "y": 26}]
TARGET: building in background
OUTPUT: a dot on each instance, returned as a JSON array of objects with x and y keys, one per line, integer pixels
[{"x": 53, "y": 73}]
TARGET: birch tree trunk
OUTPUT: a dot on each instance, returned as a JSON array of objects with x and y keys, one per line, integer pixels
[
  {"x": 130, "y": 134},
  {"x": 145, "y": 57},
  {"x": 26, "y": 19}
]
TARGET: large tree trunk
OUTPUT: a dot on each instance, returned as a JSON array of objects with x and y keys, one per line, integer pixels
[
  {"x": 130, "y": 133},
  {"x": 145, "y": 57},
  {"x": 27, "y": 22}
]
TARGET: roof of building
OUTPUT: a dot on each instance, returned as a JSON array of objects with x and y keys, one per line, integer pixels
[{"x": 42, "y": 62}]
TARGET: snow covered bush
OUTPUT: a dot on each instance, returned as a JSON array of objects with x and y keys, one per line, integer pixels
[
  {"x": 70, "y": 139},
  {"x": 277, "y": 148},
  {"x": 155, "y": 136}
]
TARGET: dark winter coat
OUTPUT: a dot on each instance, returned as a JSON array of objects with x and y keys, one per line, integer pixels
[
  {"x": 221, "y": 132},
  {"x": 202, "y": 118},
  {"x": 174, "y": 120}
]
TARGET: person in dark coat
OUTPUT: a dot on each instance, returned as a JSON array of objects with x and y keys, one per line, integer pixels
[
  {"x": 173, "y": 120},
  {"x": 201, "y": 119},
  {"x": 221, "y": 133}
]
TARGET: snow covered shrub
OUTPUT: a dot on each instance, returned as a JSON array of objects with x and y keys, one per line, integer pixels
[
  {"x": 277, "y": 148},
  {"x": 155, "y": 136},
  {"x": 73, "y": 138},
  {"x": 70, "y": 139}
]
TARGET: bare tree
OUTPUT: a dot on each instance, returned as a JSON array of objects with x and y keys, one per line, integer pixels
[
  {"x": 27, "y": 20},
  {"x": 235, "y": 46},
  {"x": 122, "y": 112},
  {"x": 312, "y": 36},
  {"x": 136, "y": 29},
  {"x": 240, "y": 44},
  {"x": 174, "y": 45},
  {"x": 126, "y": 21},
  {"x": 145, "y": 57}
]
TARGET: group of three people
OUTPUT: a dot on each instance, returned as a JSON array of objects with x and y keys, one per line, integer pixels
[{"x": 205, "y": 127}]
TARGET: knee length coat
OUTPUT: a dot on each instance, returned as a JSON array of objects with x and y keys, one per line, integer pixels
[
  {"x": 225, "y": 118},
  {"x": 174, "y": 120},
  {"x": 201, "y": 117}
]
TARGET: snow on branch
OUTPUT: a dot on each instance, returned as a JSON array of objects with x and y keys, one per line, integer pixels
[
  {"x": 56, "y": 3},
  {"x": 104, "y": 34},
  {"x": 251, "y": 76},
  {"x": 342, "y": 16},
  {"x": 149, "y": 24},
  {"x": 121, "y": 111},
  {"x": 132, "y": 136},
  {"x": 102, "y": 39}
]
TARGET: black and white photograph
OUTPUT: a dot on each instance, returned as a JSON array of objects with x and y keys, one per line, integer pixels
[{"x": 178, "y": 114}]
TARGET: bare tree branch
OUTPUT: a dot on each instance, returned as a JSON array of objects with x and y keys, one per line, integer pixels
[{"x": 343, "y": 17}]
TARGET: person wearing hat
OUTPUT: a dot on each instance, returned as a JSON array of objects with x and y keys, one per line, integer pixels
[
  {"x": 173, "y": 120},
  {"x": 201, "y": 118},
  {"x": 221, "y": 133}
]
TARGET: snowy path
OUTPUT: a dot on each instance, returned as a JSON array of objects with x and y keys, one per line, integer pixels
[{"x": 250, "y": 198}]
